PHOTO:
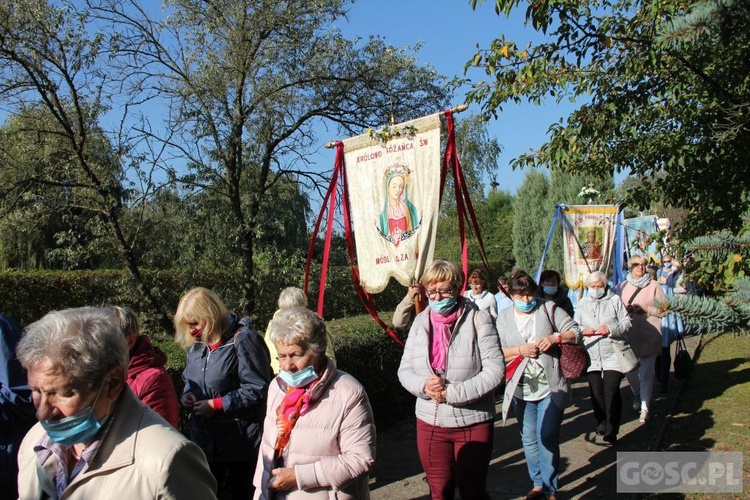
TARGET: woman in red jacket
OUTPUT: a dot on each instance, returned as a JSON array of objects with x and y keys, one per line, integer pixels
[{"x": 147, "y": 377}]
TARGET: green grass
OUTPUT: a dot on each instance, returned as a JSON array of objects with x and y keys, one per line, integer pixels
[{"x": 713, "y": 412}]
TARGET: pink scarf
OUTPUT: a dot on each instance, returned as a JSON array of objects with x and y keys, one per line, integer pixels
[{"x": 441, "y": 333}]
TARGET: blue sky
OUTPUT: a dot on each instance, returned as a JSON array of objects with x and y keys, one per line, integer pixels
[{"x": 450, "y": 31}]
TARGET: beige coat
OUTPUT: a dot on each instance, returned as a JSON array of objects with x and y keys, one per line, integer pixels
[
  {"x": 645, "y": 334},
  {"x": 142, "y": 457}
]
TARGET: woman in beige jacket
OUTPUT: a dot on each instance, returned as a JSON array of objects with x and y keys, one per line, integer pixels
[
  {"x": 641, "y": 295},
  {"x": 94, "y": 438}
]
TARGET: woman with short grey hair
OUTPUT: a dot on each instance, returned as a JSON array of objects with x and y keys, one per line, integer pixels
[
  {"x": 56, "y": 339},
  {"x": 94, "y": 435},
  {"x": 319, "y": 433},
  {"x": 604, "y": 323},
  {"x": 290, "y": 297}
]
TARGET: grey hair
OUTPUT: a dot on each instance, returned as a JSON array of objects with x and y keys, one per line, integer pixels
[
  {"x": 85, "y": 342},
  {"x": 128, "y": 320},
  {"x": 292, "y": 296},
  {"x": 300, "y": 326},
  {"x": 596, "y": 276}
]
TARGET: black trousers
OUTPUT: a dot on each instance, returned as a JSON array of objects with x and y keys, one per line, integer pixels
[
  {"x": 605, "y": 399},
  {"x": 234, "y": 476},
  {"x": 663, "y": 365}
]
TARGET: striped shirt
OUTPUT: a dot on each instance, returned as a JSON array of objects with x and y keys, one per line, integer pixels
[{"x": 46, "y": 447}]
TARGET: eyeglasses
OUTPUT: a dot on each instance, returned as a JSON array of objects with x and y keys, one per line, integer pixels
[
  {"x": 442, "y": 293},
  {"x": 633, "y": 266}
]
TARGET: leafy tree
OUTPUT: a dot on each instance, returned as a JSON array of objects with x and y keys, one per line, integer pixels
[
  {"x": 531, "y": 220},
  {"x": 478, "y": 153},
  {"x": 496, "y": 220},
  {"x": 661, "y": 92},
  {"x": 53, "y": 74},
  {"x": 719, "y": 265},
  {"x": 245, "y": 84}
]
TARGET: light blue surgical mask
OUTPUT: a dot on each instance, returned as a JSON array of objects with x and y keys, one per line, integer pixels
[
  {"x": 299, "y": 378},
  {"x": 596, "y": 293},
  {"x": 79, "y": 428},
  {"x": 550, "y": 290},
  {"x": 667, "y": 265},
  {"x": 525, "y": 306},
  {"x": 443, "y": 306}
]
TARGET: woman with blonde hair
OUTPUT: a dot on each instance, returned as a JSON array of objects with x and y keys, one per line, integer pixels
[
  {"x": 641, "y": 293},
  {"x": 226, "y": 380},
  {"x": 452, "y": 363}
]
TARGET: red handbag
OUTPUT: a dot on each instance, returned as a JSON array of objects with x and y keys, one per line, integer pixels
[{"x": 574, "y": 358}]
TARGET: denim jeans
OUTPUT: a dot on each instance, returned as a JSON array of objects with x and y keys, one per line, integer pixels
[
  {"x": 641, "y": 380},
  {"x": 540, "y": 423}
]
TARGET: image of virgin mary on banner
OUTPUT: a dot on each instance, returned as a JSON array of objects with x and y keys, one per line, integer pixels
[
  {"x": 589, "y": 241},
  {"x": 394, "y": 193}
]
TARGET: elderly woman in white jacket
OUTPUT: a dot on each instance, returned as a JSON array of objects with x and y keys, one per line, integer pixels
[
  {"x": 319, "y": 432},
  {"x": 452, "y": 363},
  {"x": 604, "y": 322}
]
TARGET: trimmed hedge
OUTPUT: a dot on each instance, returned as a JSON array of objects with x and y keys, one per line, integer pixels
[{"x": 30, "y": 295}]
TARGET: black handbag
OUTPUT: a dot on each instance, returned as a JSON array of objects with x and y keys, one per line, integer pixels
[{"x": 683, "y": 363}]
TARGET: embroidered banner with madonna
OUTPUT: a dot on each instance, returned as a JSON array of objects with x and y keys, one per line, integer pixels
[
  {"x": 589, "y": 241},
  {"x": 394, "y": 192}
]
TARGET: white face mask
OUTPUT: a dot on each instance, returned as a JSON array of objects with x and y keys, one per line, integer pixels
[{"x": 596, "y": 293}]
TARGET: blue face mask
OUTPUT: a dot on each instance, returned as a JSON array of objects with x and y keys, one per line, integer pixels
[
  {"x": 550, "y": 290},
  {"x": 75, "y": 429},
  {"x": 299, "y": 378},
  {"x": 524, "y": 306},
  {"x": 443, "y": 306},
  {"x": 667, "y": 265}
]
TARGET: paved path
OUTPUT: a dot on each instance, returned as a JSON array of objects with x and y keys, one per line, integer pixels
[{"x": 588, "y": 464}]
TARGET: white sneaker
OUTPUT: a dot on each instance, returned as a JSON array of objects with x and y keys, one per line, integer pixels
[
  {"x": 636, "y": 403},
  {"x": 643, "y": 417}
]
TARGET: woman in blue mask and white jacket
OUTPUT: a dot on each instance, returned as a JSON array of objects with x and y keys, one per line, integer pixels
[
  {"x": 604, "y": 322},
  {"x": 531, "y": 331},
  {"x": 452, "y": 363}
]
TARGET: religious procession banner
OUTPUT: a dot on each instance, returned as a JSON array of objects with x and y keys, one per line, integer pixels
[
  {"x": 589, "y": 241},
  {"x": 640, "y": 235},
  {"x": 394, "y": 192}
]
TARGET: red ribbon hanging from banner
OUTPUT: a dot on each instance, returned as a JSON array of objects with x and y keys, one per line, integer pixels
[
  {"x": 330, "y": 200},
  {"x": 463, "y": 201}
]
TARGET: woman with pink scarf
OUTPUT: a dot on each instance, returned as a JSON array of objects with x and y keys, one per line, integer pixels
[
  {"x": 452, "y": 363},
  {"x": 319, "y": 433}
]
